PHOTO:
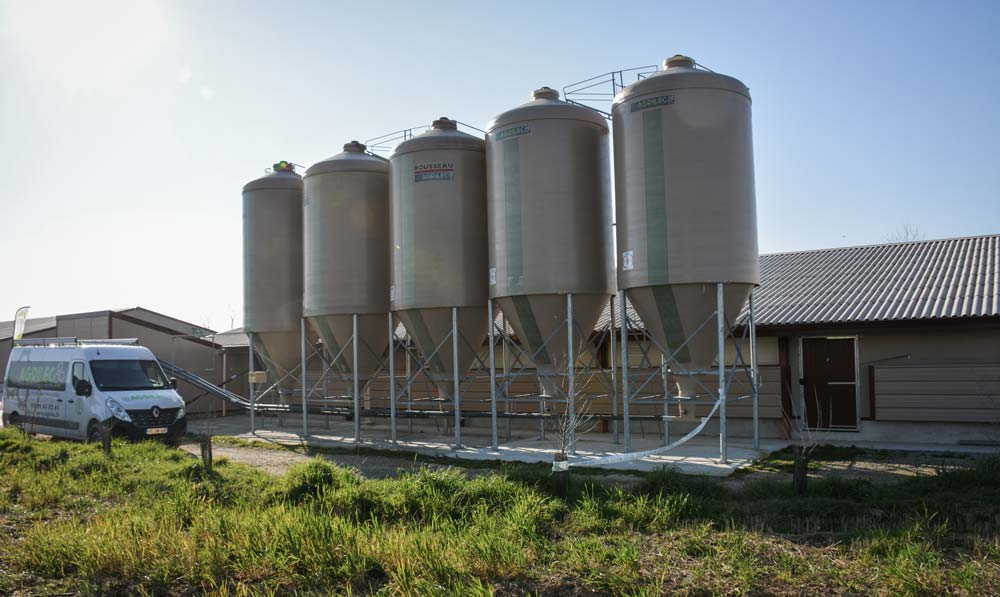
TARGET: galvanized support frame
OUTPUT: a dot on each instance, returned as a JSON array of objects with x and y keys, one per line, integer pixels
[
  {"x": 257, "y": 396},
  {"x": 515, "y": 362},
  {"x": 634, "y": 381},
  {"x": 397, "y": 393},
  {"x": 523, "y": 364},
  {"x": 321, "y": 385}
]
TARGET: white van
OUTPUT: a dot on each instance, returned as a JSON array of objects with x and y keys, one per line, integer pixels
[{"x": 66, "y": 387}]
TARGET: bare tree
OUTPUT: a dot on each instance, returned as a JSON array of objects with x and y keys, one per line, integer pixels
[
  {"x": 804, "y": 441},
  {"x": 231, "y": 314},
  {"x": 568, "y": 426},
  {"x": 903, "y": 234}
]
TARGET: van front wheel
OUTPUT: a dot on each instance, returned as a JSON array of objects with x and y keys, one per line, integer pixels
[{"x": 94, "y": 432}]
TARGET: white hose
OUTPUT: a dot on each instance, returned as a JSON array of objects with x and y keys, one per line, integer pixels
[{"x": 630, "y": 456}]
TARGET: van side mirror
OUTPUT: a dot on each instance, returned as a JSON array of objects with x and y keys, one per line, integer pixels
[
  {"x": 173, "y": 382},
  {"x": 83, "y": 387}
]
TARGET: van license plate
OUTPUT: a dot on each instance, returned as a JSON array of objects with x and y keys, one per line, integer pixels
[{"x": 156, "y": 431}]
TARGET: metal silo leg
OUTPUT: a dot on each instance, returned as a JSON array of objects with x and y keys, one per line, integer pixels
[
  {"x": 305, "y": 390},
  {"x": 614, "y": 376},
  {"x": 754, "y": 375},
  {"x": 570, "y": 370},
  {"x": 625, "y": 397},
  {"x": 455, "y": 381},
  {"x": 720, "y": 316},
  {"x": 392, "y": 378},
  {"x": 250, "y": 384},
  {"x": 354, "y": 362},
  {"x": 493, "y": 379}
]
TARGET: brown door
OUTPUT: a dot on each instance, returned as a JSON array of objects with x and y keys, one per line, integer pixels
[{"x": 829, "y": 384}]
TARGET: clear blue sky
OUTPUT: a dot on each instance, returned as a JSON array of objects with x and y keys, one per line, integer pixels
[{"x": 127, "y": 128}]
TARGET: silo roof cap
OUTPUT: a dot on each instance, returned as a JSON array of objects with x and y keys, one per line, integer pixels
[
  {"x": 444, "y": 123},
  {"x": 281, "y": 177},
  {"x": 352, "y": 159},
  {"x": 443, "y": 134},
  {"x": 678, "y": 60},
  {"x": 682, "y": 72},
  {"x": 546, "y": 105}
]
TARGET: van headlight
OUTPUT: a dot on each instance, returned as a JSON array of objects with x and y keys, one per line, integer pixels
[
  {"x": 181, "y": 411},
  {"x": 117, "y": 410}
]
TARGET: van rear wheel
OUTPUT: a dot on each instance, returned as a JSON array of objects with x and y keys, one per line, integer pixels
[{"x": 14, "y": 420}]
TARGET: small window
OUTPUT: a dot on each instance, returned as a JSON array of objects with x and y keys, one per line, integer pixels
[{"x": 79, "y": 373}]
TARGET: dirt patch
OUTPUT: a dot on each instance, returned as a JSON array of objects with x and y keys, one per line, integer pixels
[
  {"x": 875, "y": 466},
  {"x": 895, "y": 466},
  {"x": 278, "y": 461}
]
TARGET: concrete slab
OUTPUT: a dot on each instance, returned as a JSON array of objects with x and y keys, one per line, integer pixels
[{"x": 698, "y": 456}]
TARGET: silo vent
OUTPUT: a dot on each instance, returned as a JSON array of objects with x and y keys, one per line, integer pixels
[
  {"x": 679, "y": 61},
  {"x": 444, "y": 123},
  {"x": 283, "y": 166},
  {"x": 545, "y": 93},
  {"x": 355, "y": 147}
]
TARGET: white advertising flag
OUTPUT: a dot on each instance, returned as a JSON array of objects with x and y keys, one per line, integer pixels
[{"x": 19, "y": 320}]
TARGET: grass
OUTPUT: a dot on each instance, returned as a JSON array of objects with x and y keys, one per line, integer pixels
[{"x": 152, "y": 520}]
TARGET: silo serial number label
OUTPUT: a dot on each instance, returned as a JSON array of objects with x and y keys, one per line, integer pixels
[
  {"x": 433, "y": 171},
  {"x": 660, "y": 100}
]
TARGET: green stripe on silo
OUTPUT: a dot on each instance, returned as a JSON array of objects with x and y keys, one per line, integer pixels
[
  {"x": 512, "y": 212},
  {"x": 656, "y": 195},
  {"x": 534, "y": 339},
  {"x": 407, "y": 231},
  {"x": 427, "y": 343},
  {"x": 666, "y": 306}
]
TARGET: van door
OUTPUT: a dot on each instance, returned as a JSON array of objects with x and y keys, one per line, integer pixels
[{"x": 78, "y": 407}]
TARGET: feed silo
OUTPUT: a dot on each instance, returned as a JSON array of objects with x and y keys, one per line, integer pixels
[
  {"x": 439, "y": 246},
  {"x": 272, "y": 270},
  {"x": 346, "y": 247},
  {"x": 686, "y": 209},
  {"x": 549, "y": 197}
]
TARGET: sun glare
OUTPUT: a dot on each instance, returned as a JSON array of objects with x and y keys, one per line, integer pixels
[{"x": 93, "y": 42}]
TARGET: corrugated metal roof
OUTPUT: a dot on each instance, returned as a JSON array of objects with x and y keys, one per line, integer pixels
[{"x": 921, "y": 280}]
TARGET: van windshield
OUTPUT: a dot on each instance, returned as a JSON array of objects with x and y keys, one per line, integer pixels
[{"x": 112, "y": 375}]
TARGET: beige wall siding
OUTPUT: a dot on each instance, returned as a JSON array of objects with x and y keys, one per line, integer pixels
[
  {"x": 922, "y": 352},
  {"x": 181, "y": 327},
  {"x": 953, "y": 393},
  {"x": 89, "y": 327}
]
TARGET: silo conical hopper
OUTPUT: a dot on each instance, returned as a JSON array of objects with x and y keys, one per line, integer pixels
[
  {"x": 686, "y": 208},
  {"x": 346, "y": 245},
  {"x": 439, "y": 246},
  {"x": 549, "y": 200},
  {"x": 272, "y": 270}
]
